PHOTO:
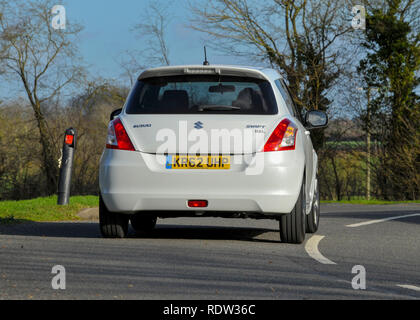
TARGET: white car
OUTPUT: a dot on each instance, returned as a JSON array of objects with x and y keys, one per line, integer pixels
[{"x": 218, "y": 141}]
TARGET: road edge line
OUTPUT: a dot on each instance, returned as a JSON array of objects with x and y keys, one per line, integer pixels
[
  {"x": 409, "y": 286},
  {"x": 311, "y": 248},
  {"x": 360, "y": 224}
]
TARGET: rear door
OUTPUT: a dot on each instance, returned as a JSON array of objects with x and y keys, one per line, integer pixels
[
  {"x": 227, "y": 134},
  {"x": 222, "y": 114}
]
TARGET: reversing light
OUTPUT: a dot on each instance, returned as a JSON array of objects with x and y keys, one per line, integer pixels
[{"x": 283, "y": 137}]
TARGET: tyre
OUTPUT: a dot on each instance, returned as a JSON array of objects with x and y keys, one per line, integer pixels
[
  {"x": 142, "y": 222},
  {"x": 112, "y": 224},
  {"x": 312, "y": 220},
  {"x": 293, "y": 225}
]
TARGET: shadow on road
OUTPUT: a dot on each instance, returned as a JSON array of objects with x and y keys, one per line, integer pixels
[
  {"x": 213, "y": 233},
  {"x": 91, "y": 230}
]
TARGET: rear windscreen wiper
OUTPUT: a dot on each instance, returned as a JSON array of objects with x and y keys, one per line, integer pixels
[{"x": 217, "y": 108}]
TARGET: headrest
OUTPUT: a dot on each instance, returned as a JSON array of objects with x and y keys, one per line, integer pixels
[
  {"x": 248, "y": 99},
  {"x": 175, "y": 99}
]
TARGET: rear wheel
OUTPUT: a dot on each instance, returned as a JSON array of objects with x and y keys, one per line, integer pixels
[
  {"x": 312, "y": 221},
  {"x": 112, "y": 224},
  {"x": 292, "y": 226},
  {"x": 142, "y": 222}
]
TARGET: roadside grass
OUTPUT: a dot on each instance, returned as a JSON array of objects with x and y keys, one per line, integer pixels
[
  {"x": 373, "y": 201},
  {"x": 44, "y": 209}
]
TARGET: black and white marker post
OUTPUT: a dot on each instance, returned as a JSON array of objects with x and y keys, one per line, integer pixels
[{"x": 64, "y": 184}]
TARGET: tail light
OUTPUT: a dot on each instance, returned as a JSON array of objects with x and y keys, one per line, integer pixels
[
  {"x": 283, "y": 137},
  {"x": 117, "y": 137}
]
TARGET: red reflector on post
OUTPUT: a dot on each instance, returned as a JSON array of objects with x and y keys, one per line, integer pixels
[
  {"x": 198, "y": 203},
  {"x": 69, "y": 139}
]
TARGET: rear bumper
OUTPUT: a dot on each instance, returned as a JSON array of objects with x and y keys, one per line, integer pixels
[{"x": 136, "y": 181}]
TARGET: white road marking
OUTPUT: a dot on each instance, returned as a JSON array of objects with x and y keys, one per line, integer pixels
[
  {"x": 311, "y": 248},
  {"x": 381, "y": 220},
  {"x": 408, "y": 286}
]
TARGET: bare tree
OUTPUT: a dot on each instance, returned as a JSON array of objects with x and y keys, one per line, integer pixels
[
  {"x": 152, "y": 29},
  {"x": 152, "y": 33},
  {"x": 299, "y": 37},
  {"x": 43, "y": 60},
  {"x": 90, "y": 112},
  {"x": 130, "y": 65}
]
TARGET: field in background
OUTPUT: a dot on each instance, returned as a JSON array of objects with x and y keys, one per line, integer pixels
[{"x": 370, "y": 202}]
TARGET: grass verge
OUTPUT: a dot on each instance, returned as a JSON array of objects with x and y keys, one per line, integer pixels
[{"x": 44, "y": 209}]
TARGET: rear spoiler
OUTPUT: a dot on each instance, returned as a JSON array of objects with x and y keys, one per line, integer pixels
[{"x": 202, "y": 70}]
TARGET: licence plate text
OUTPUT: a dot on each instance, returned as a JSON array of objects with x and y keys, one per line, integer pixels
[{"x": 198, "y": 162}]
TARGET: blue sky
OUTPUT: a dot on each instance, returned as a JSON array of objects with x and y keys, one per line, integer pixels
[{"x": 108, "y": 33}]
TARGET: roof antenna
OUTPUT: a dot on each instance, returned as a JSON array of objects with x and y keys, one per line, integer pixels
[{"x": 205, "y": 63}]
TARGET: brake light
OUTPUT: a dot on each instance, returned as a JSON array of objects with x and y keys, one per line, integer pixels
[
  {"x": 117, "y": 137},
  {"x": 283, "y": 137}
]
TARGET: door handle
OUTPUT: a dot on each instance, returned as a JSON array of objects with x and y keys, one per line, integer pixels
[{"x": 308, "y": 133}]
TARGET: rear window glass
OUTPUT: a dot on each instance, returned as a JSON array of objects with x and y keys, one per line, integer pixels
[
  {"x": 287, "y": 98},
  {"x": 201, "y": 94}
]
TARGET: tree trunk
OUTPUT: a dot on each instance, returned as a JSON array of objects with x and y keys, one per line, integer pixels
[
  {"x": 337, "y": 179},
  {"x": 368, "y": 149},
  {"x": 50, "y": 157}
]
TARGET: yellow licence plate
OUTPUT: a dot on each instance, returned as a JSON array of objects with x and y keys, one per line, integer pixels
[{"x": 198, "y": 162}]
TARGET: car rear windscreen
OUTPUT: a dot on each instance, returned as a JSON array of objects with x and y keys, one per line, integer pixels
[{"x": 192, "y": 94}]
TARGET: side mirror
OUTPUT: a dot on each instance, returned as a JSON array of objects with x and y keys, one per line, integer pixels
[
  {"x": 114, "y": 114},
  {"x": 316, "y": 119}
]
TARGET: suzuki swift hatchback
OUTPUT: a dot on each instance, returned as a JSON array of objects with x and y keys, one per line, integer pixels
[{"x": 219, "y": 141}]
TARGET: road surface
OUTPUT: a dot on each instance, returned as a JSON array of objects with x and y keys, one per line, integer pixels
[{"x": 211, "y": 258}]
